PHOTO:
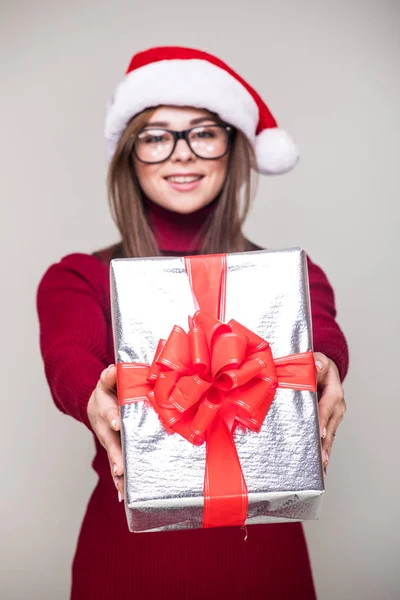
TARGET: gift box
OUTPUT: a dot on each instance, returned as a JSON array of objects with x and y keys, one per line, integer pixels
[{"x": 217, "y": 391}]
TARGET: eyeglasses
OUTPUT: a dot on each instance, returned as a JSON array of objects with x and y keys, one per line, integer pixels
[{"x": 208, "y": 142}]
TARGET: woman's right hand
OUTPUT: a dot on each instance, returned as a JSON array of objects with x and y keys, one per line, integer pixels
[{"x": 103, "y": 414}]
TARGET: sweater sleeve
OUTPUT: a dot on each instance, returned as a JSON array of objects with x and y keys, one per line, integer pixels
[
  {"x": 73, "y": 319},
  {"x": 328, "y": 337}
]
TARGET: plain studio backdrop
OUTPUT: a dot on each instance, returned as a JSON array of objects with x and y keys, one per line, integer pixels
[{"x": 329, "y": 71}]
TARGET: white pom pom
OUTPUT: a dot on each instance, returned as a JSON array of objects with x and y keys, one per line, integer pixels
[{"x": 276, "y": 152}]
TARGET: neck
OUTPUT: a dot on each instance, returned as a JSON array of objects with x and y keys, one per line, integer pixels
[{"x": 176, "y": 232}]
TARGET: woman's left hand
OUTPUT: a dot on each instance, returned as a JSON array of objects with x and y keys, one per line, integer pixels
[{"x": 332, "y": 405}]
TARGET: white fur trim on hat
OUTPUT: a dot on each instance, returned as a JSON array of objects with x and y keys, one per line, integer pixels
[{"x": 192, "y": 82}]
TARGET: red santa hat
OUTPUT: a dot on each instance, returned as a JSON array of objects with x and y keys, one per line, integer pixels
[{"x": 177, "y": 76}]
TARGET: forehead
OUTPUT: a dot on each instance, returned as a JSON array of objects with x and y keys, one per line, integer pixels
[{"x": 176, "y": 116}]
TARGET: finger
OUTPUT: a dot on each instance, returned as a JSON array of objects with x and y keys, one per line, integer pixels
[
  {"x": 330, "y": 403},
  {"x": 114, "y": 452},
  {"x": 108, "y": 378},
  {"x": 111, "y": 442},
  {"x": 120, "y": 486},
  {"x": 334, "y": 422},
  {"x": 108, "y": 408},
  {"x": 325, "y": 409},
  {"x": 322, "y": 364},
  {"x": 331, "y": 395},
  {"x": 112, "y": 417}
]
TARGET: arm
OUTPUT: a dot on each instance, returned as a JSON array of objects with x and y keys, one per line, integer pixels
[
  {"x": 74, "y": 315},
  {"x": 331, "y": 357},
  {"x": 72, "y": 309},
  {"x": 328, "y": 337}
]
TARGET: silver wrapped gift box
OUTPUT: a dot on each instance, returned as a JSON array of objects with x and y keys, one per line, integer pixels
[{"x": 267, "y": 292}]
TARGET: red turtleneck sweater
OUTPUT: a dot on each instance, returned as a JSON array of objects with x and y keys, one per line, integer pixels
[
  {"x": 110, "y": 563},
  {"x": 174, "y": 232}
]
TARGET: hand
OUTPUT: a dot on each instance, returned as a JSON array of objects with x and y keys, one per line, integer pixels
[
  {"x": 103, "y": 413},
  {"x": 332, "y": 405}
]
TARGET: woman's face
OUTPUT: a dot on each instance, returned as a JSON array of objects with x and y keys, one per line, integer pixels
[{"x": 184, "y": 183}]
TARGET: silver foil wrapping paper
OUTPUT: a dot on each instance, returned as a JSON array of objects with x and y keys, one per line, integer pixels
[{"x": 267, "y": 291}]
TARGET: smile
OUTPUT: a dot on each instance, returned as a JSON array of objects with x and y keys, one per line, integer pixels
[{"x": 183, "y": 178}]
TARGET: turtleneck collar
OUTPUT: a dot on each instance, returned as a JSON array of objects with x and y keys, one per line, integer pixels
[{"x": 176, "y": 232}]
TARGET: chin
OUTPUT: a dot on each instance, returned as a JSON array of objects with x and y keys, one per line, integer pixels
[
  {"x": 184, "y": 206},
  {"x": 187, "y": 210}
]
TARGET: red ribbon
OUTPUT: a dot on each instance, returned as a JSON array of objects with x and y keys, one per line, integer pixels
[{"x": 204, "y": 383}]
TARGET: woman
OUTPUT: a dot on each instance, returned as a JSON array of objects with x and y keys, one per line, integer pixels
[{"x": 184, "y": 132}]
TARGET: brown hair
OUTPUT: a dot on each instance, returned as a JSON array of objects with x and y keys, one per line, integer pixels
[{"x": 223, "y": 230}]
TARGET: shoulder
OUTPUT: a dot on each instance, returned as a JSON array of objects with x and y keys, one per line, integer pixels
[
  {"x": 79, "y": 272},
  {"x": 92, "y": 266},
  {"x": 86, "y": 265}
]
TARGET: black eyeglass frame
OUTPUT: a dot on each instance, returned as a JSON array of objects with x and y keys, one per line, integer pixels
[{"x": 184, "y": 135}]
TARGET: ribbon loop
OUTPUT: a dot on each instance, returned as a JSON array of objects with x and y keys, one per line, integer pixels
[
  {"x": 254, "y": 341},
  {"x": 199, "y": 351},
  {"x": 189, "y": 391},
  {"x": 205, "y": 415},
  {"x": 210, "y": 325},
  {"x": 228, "y": 351},
  {"x": 175, "y": 354}
]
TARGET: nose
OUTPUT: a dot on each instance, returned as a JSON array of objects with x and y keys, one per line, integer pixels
[{"x": 182, "y": 152}]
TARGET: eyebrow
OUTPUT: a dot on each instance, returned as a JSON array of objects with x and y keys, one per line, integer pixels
[{"x": 166, "y": 124}]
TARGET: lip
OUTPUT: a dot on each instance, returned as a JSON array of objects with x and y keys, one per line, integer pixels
[
  {"x": 184, "y": 187},
  {"x": 186, "y": 174}
]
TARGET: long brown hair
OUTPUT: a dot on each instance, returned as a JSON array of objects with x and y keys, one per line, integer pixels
[{"x": 222, "y": 231}]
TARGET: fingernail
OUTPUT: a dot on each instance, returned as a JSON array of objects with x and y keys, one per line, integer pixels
[
  {"x": 116, "y": 481},
  {"x": 324, "y": 433},
  {"x": 326, "y": 456},
  {"x": 115, "y": 469},
  {"x": 119, "y": 496},
  {"x": 114, "y": 423},
  {"x": 319, "y": 364},
  {"x": 109, "y": 367}
]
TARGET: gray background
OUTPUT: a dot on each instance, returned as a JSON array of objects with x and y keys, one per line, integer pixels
[{"x": 329, "y": 71}]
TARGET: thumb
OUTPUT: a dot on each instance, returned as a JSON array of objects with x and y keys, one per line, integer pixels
[
  {"x": 322, "y": 365},
  {"x": 108, "y": 378},
  {"x": 108, "y": 381}
]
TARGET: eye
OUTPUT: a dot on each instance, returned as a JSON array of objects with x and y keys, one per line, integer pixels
[
  {"x": 153, "y": 137},
  {"x": 204, "y": 134}
]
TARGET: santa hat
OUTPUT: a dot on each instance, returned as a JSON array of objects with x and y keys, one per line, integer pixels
[{"x": 187, "y": 77}]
